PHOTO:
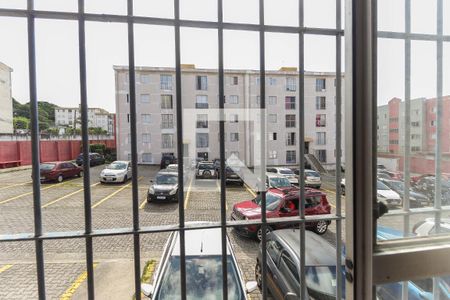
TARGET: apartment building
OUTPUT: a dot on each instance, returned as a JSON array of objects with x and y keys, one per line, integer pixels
[
  {"x": 97, "y": 117},
  {"x": 6, "y": 106},
  {"x": 156, "y": 119}
]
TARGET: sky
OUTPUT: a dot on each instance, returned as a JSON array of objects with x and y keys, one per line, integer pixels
[{"x": 106, "y": 45}]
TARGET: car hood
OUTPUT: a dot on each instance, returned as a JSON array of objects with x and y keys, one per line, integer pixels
[
  {"x": 113, "y": 172},
  {"x": 164, "y": 187},
  {"x": 248, "y": 208},
  {"x": 388, "y": 194}
]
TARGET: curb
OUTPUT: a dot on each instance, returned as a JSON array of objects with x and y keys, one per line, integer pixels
[{"x": 9, "y": 170}]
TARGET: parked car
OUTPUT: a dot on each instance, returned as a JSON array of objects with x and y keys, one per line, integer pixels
[
  {"x": 167, "y": 159},
  {"x": 426, "y": 185},
  {"x": 274, "y": 180},
  {"x": 232, "y": 175},
  {"x": 95, "y": 159},
  {"x": 415, "y": 199},
  {"x": 286, "y": 172},
  {"x": 428, "y": 226},
  {"x": 387, "y": 196},
  {"x": 164, "y": 187},
  {"x": 282, "y": 202},
  {"x": 283, "y": 265},
  {"x": 205, "y": 169},
  {"x": 60, "y": 170},
  {"x": 391, "y": 174},
  {"x": 312, "y": 178},
  {"x": 203, "y": 269},
  {"x": 117, "y": 171}
]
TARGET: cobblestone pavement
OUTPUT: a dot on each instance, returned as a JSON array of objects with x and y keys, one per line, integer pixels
[{"x": 63, "y": 210}]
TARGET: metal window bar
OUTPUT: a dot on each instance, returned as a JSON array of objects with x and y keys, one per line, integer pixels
[{"x": 89, "y": 233}]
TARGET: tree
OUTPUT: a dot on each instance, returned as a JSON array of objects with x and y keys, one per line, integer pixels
[
  {"x": 53, "y": 131},
  {"x": 21, "y": 123},
  {"x": 97, "y": 131}
]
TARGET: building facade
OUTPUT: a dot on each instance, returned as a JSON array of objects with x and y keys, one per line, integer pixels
[
  {"x": 6, "y": 106},
  {"x": 156, "y": 117},
  {"x": 71, "y": 117}
]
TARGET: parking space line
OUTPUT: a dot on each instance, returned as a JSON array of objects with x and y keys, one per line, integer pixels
[
  {"x": 188, "y": 193},
  {"x": 4, "y": 268},
  {"x": 75, "y": 285},
  {"x": 66, "y": 196},
  {"x": 14, "y": 185},
  {"x": 218, "y": 189},
  {"x": 250, "y": 190},
  {"x": 30, "y": 193},
  {"x": 113, "y": 194}
]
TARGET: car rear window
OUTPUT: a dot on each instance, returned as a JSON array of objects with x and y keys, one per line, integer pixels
[
  {"x": 312, "y": 174},
  {"x": 206, "y": 166},
  {"x": 286, "y": 172}
]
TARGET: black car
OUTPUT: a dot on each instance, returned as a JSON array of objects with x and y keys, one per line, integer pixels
[
  {"x": 164, "y": 187},
  {"x": 416, "y": 199},
  {"x": 426, "y": 186},
  {"x": 167, "y": 159},
  {"x": 232, "y": 175},
  {"x": 95, "y": 159}
]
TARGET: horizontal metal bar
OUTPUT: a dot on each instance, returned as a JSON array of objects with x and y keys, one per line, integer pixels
[
  {"x": 412, "y": 36},
  {"x": 156, "y": 229},
  {"x": 57, "y": 15},
  {"x": 416, "y": 211}
]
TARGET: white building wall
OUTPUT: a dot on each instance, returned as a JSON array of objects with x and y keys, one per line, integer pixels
[{"x": 6, "y": 107}]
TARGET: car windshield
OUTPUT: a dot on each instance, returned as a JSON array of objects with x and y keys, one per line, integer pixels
[
  {"x": 272, "y": 201},
  {"x": 117, "y": 166},
  {"x": 311, "y": 174},
  {"x": 206, "y": 166},
  {"x": 166, "y": 179},
  {"x": 203, "y": 279},
  {"x": 397, "y": 185},
  {"x": 279, "y": 182},
  {"x": 46, "y": 167},
  {"x": 286, "y": 172},
  {"x": 382, "y": 186},
  {"x": 321, "y": 281}
]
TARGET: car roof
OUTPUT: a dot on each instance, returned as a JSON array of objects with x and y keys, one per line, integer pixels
[
  {"x": 319, "y": 252},
  {"x": 166, "y": 171},
  {"x": 201, "y": 242},
  {"x": 121, "y": 161}
]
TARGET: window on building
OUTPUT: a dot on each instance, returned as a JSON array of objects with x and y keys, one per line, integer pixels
[
  {"x": 321, "y": 120},
  {"x": 201, "y": 83},
  {"x": 415, "y": 124},
  {"x": 272, "y": 118},
  {"x": 272, "y": 100},
  {"x": 202, "y": 155},
  {"x": 202, "y": 140},
  {"x": 145, "y": 78},
  {"x": 166, "y": 82},
  {"x": 321, "y": 102},
  {"x": 273, "y": 154},
  {"x": 201, "y": 101},
  {"x": 234, "y": 137},
  {"x": 146, "y": 118},
  {"x": 146, "y": 138},
  {"x": 433, "y": 123},
  {"x": 166, "y": 102},
  {"x": 290, "y": 157},
  {"x": 147, "y": 158},
  {"x": 415, "y": 136},
  {"x": 394, "y": 119},
  {"x": 321, "y": 155},
  {"x": 145, "y": 98},
  {"x": 272, "y": 136},
  {"x": 233, "y": 99},
  {"x": 202, "y": 121},
  {"x": 393, "y": 142},
  {"x": 272, "y": 81},
  {"x": 289, "y": 102},
  {"x": 290, "y": 139},
  {"x": 128, "y": 98},
  {"x": 321, "y": 138},
  {"x": 415, "y": 148},
  {"x": 393, "y": 130},
  {"x": 234, "y": 118},
  {"x": 234, "y": 80},
  {"x": 128, "y": 118},
  {"x": 166, "y": 141},
  {"x": 290, "y": 121},
  {"x": 291, "y": 84},
  {"x": 166, "y": 121},
  {"x": 320, "y": 84}
]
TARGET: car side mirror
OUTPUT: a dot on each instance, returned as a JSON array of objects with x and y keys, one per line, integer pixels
[
  {"x": 147, "y": 289},
  {"x": 251, "y": 286},
  {"x": 290, "y": 296}
]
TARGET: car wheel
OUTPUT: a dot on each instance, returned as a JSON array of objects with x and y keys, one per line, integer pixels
[
  {"x": 258, "y": 275},
  {"x": 321, "y": 227},
  {"x": 259, "y": 233},
  {"x": 80, "y": 174},
  {"x": 60, "y": 178}
]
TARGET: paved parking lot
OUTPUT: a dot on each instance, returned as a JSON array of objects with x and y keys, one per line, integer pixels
[{"x": 62, "y": 210}]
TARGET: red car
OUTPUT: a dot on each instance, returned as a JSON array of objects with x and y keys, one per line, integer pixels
[
  {"x": 282, "y": 202},
  {"x": 51, "y": 171}
]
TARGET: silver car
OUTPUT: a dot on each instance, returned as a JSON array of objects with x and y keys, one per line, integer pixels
[
  {"x": 203, "y": 263},
  {"x": 117, "y": 171}
]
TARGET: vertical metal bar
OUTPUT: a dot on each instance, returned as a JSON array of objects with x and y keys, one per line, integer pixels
[
  {"x": 338, "y": 154},
  {"x": 262, "y": 103},
  {"x": 301, "y": 134},
  {"x": 223, "y": 199},
  {"x": 179, "y": 111},
  {"x": 85, "y": 143},
  {"x": 134, "y": 155},
  {"x": 35, "y": 151}
]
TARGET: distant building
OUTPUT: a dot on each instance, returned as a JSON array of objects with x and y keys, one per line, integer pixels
[
  {"x": 156, "y": 115},
  {"x": 97, "y": 117},
  {"x": 6, "y": 106}
]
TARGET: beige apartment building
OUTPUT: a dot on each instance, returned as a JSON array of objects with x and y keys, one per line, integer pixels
[
  {"x": 6, "y": 106},
  {"x": 71, "y": 117},
  {"x": 156, "y": 114}
]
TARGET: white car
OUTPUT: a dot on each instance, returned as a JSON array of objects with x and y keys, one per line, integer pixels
[
  {"x": 312, "y": 179},
  {"x": 428, "y": 227},
  {"x": 172, "y": 167},
  {"x": 387, "y": 196},
  {"x": 117, "y": 171},
  {"x": 274, "y": 180},
  {"x": 206, "y": 169},
  {"x": 286, "y": 172},
  {"x": 203, "y": 249}
]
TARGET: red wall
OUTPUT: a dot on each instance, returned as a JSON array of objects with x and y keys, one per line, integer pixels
[
  {"x": 50, "y": 150},
  {"x": 421, "y": 164}
]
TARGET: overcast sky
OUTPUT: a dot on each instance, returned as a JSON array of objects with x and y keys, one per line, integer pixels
[{"x": 57, "y": 45}]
